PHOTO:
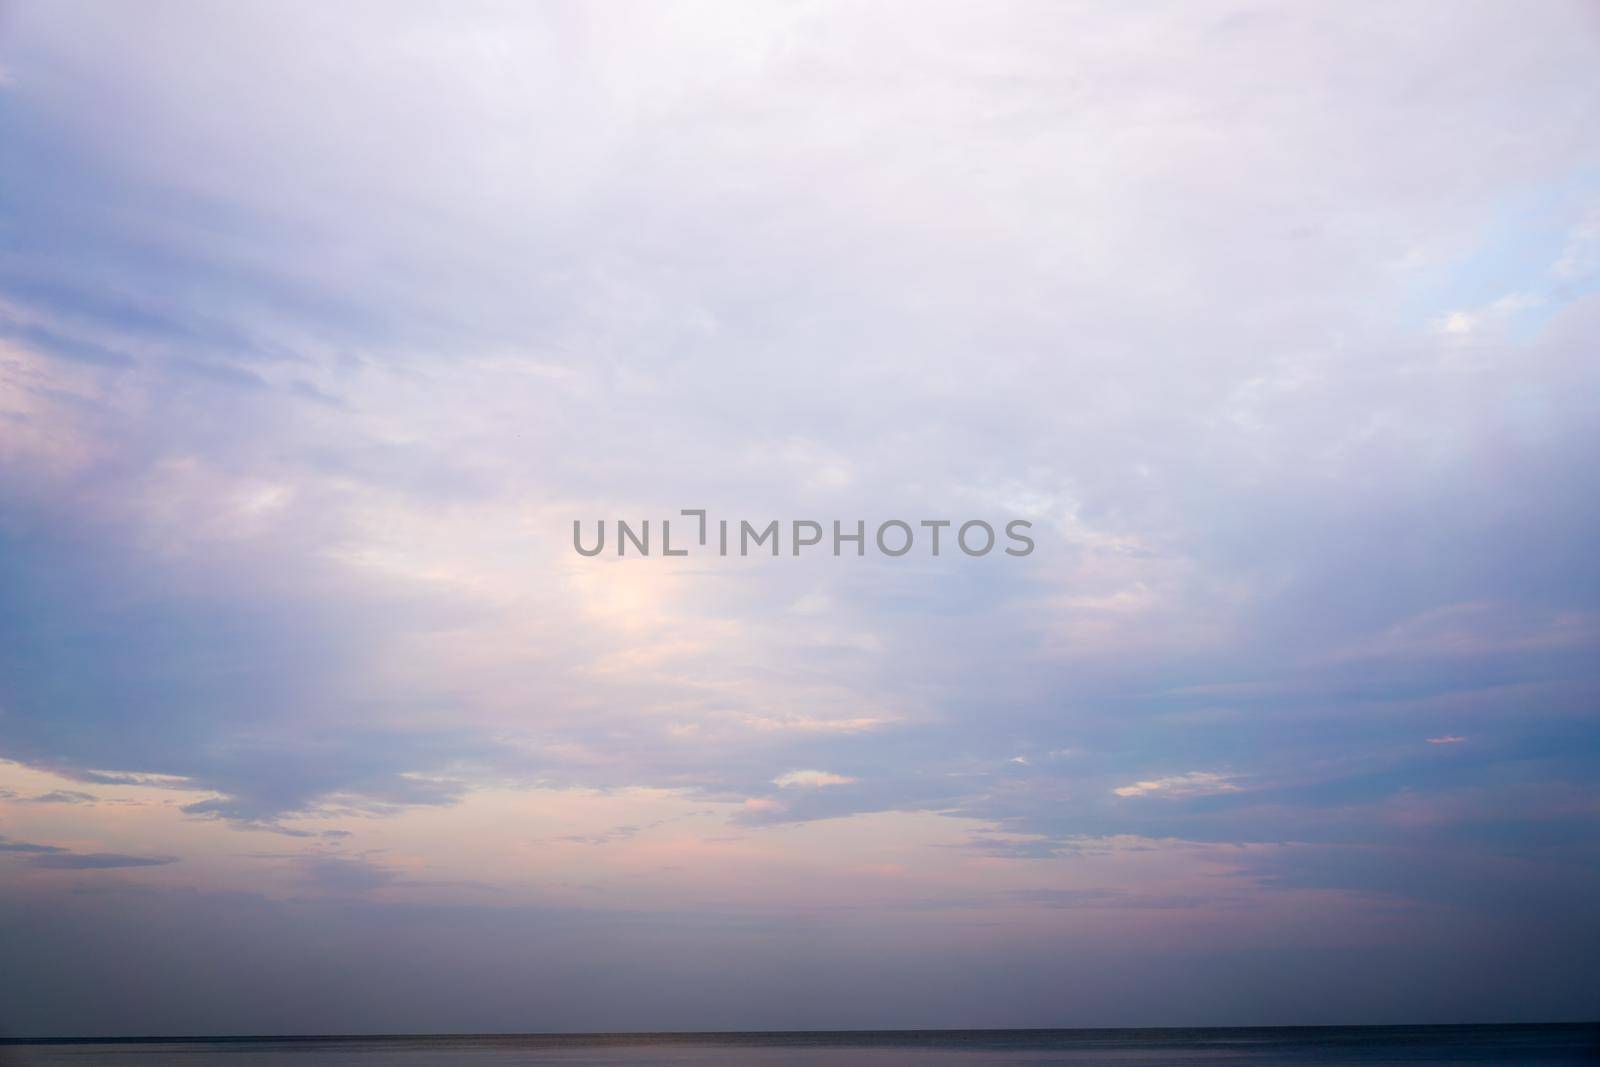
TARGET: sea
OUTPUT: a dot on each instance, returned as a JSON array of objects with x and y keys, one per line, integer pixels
[{"x": 1548, "y": 1045}]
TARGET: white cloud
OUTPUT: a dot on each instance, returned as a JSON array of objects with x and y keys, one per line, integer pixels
[
  {"x": 1193, "y": 784},
  {"x": 1496, "y": 314},
  {"x": 809, "y": 780}
]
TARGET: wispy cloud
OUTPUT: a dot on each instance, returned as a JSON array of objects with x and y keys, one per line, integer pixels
[
  {"x": 8, "y": 845},
  {"x": 98, "y": 861},
  {"x": 809, "y": 780},
  {"x": 59, "y": 796},
  {"x": 1192, "y": 784}
]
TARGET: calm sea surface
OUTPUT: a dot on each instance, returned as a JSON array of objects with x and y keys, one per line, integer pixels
[{"x": 1437, "y": 1045}]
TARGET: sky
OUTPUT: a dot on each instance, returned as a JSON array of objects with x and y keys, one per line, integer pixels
[{"x": 321, "y": 324}]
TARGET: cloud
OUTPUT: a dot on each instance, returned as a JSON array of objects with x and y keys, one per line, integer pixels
[
  {"x": 98, "y": 861},
  {"x": 1193, "y": 784},
  {"x": 170, "y": 781},
  {"x": 8, "y": 845},
  {"x": 59, "y": 796},
  {"x": 1446, "y": 739},
  {"x": 809, "y": 780},
  {"x": 397, "y": 448}
]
